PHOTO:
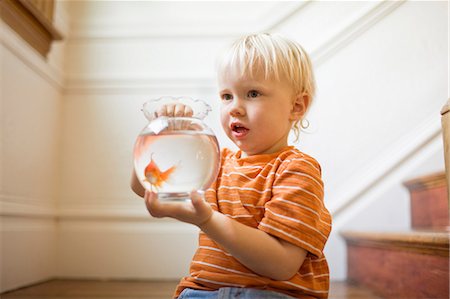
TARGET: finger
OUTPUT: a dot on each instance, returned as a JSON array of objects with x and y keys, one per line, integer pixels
[
  {"x": 152, "y": 203},
  {"x": 170, "y": 108},
  {"x": 179, "y": 110},
  {"x": 188, "y": 112},
  {"x": 162, "y": 111},
  {"x": 202, "y": 208}
]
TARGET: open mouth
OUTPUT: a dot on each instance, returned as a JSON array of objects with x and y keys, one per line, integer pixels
[{"x": 239, "y": 130}]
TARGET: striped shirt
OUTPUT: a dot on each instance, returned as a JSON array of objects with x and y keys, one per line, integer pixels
[{"x": 280, "y": 194}]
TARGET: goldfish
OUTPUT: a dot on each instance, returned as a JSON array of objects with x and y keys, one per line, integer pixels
[{"x": 154, "y": 176}]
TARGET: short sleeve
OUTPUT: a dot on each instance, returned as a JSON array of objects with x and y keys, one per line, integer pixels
[{"x": 296, "y": 212}]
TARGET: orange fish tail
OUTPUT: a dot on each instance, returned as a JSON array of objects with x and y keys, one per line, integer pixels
[{"x": 165, "y": 175}]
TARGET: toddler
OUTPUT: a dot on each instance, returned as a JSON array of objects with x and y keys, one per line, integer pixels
[{"x": 263, "y": 222}]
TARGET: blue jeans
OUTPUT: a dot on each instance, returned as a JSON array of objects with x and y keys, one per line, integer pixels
[{"x": 232, "y": 293}]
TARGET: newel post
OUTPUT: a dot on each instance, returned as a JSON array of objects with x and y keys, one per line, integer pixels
[{"x": 445, "y": 112}]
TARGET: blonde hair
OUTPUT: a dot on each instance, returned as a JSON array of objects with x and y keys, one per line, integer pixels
[{"x": 277, "y": 57}]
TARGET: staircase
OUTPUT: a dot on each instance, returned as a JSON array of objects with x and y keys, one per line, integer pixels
[{"x": 410, "y": 264}]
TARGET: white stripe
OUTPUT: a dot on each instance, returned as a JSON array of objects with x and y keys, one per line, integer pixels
[
  {"x": 214, "y": 249},
  {"x": 282, "y": 161},
  {"x": 225, "y": 269},
  {"x": 297, "y": 221},
  {"x": 302, "y": 160},
  {"x": 279, "y": 160},
  {"x": 245, "y": 189},
  {"x": 240, "y": 202},
  {"x": 297, "y": 188},
  {"x": 289, "y": 235},
  {"x": 253, "y": 206},
  {"x": 273, "y": 173},
  {"x": 246, "y": 176},
  {"x": 297, "y": 159},
  {"x": 249, "y": 167},
  {"x": 220, "y": 283},
  {"x": 230, "y": 201},
  {"x": 302, "y": 174},
  {"x": 305, "y": 208},
  {"x": 304, "y": 288},
  {"x": 294, "y": 151}
]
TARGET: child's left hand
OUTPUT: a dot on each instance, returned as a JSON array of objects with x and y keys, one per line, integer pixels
[{"x": 196, "y": 212}]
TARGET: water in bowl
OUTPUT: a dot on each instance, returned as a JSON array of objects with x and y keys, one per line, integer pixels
[{"x": 174, "y": 163}]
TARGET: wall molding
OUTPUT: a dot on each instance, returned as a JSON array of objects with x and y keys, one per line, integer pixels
[
  {"x": 385, "y": 164},
  {"x": 85, "y": 30},
  {"x": 347, "y": 33},
  {"x": 21, "y": 206},
  {"x": 105, "y": 83},
  {"x": 343, "y": 36},
  {"x": 135, "y": 85},
  {"x": 104, "y": 210},
  {"x": 281, "y": 14}
]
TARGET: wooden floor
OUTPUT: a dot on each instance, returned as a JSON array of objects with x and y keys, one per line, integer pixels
[{"x": 92, "y": 289}]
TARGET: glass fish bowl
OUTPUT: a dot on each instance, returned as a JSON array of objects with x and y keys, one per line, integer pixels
[{"x": 175, "y": 155}]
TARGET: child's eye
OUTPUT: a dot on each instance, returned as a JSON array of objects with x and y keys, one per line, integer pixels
[
  {"x": 226, "y": 97},
  {"x": 253, "y": 94}
]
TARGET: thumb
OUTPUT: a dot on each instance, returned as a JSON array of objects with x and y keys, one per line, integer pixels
[
  {"x": 198, "y": 199},
  {"x": 202, "y": 208}
]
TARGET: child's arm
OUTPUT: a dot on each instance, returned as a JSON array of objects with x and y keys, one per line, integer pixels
[
  {"x": 255, "y": 249},
  {"x": 262, "y": 253}
]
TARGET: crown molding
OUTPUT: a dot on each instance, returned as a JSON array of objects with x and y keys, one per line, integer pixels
[
  {"x": 347, "y": 33},
  {"x": 105, "y": 83},
  {"x": 269, "y": 20}
]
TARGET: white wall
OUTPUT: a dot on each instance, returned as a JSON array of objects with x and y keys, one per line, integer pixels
[
  {"x": 381, "y": 71},
  {"x": 31, "y": 105}
]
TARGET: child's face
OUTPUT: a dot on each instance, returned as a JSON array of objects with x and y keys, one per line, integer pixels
[{"x": 256, "y": 112}]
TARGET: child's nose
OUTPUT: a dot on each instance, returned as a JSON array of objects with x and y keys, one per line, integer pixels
[{"x": 237, "y": 108}]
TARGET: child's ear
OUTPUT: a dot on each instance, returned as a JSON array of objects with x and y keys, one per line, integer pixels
[{"x": 300, "y": 106}]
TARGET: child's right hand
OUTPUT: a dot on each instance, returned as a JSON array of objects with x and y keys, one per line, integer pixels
[
  {"x": 171, "y": 110},
  {"x": 176, "y": 110},
  {"x": 197, "y": 212}
]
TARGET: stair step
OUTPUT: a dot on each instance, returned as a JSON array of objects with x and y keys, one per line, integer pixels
[
  {"x": 411, "y": 264},
  {"x": 429, "y": 202}
]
